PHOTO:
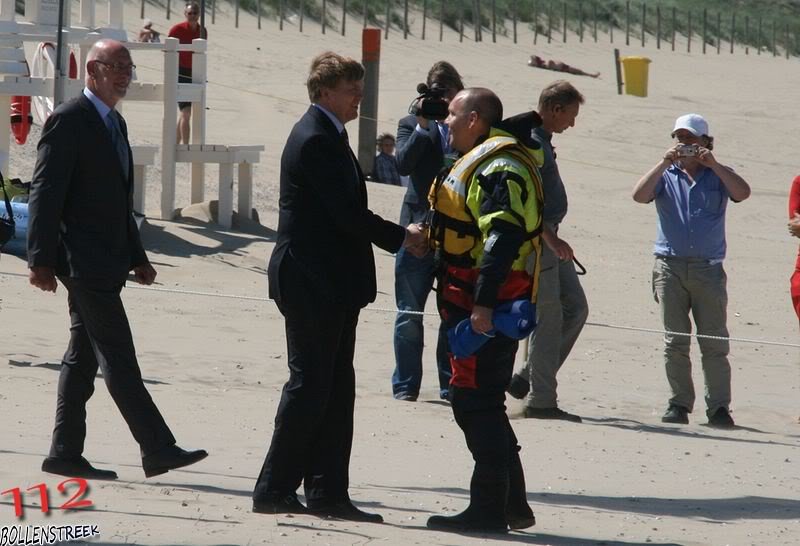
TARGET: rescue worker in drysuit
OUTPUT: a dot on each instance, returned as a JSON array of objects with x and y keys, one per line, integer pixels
[{"x": 484, "y": 229}]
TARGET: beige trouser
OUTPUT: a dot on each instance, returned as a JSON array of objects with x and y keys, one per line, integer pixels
[{"x": 681, "y": 285}]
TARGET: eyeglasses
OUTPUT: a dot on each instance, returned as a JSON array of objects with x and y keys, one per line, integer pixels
[{"x": 119, "y": 67}]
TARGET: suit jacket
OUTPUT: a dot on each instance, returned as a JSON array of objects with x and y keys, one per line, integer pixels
[
  {"x": 325, "y": 230},
  {"x": 80, "y": 210},
  {"x": 421, "y": 157}
]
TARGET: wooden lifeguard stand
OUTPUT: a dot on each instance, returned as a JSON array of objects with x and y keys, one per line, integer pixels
[{"x": 13, "y": 35}]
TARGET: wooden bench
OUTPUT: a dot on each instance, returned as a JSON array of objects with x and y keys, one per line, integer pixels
[{"x": 226, "y": 156}]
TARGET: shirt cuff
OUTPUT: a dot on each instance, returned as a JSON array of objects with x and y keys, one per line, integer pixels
[{"x": 422, "y": 131}]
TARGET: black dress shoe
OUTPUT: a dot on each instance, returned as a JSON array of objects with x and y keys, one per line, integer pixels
[
  {"x": 466, "y": 522},
  {"x": 287, "y": 504},
  {"x": 343, "y": 510},
  {"x": 721, "y": 419},
  {"x": 676, "y": 415},
  {"x": 521, "y": 519},
  {"x": 518, "y": 387},
  {"x": 170, "y": 458},
  {"x": 76, "y": 467},
  {"x": 551, "y": 413}
]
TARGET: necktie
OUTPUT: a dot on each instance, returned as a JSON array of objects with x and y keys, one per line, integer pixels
[
  {"x": 345, "y": 137},
  {"x": 118, "y": 141}
]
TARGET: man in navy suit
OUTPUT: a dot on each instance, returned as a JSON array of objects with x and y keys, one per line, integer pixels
[
  {"x": 421, "y": 147},
  {"x": 81, "y": 231},
  {"x": 321, "y": 273}
]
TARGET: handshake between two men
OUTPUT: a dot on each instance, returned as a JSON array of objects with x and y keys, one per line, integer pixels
[{"x": 416, "y": 241}]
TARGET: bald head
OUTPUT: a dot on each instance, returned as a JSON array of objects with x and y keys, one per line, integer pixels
[
  {"x": 485, "y": 103},
  {"x": 108, "y": 71},
  {"x": 470, "y": 116}
]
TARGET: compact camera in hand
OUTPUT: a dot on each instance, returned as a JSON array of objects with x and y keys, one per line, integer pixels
[
  {"x": 430, "y": 104},
  {"x": 687, "y": 150}
]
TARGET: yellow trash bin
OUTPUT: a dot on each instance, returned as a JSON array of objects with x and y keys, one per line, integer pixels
[{"x": 635, "y": 70}]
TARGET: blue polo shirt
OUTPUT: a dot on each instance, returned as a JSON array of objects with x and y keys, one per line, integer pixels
[{"x": 691, "y": 217}]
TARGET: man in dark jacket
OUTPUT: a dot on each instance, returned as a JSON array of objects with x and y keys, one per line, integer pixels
[
  {"x": 421, "y": 150},
  {"x": 321, "y": 273},
  {"x": 81, "y": 231}
]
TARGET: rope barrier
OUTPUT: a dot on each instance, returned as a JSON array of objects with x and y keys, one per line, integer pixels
[{"x": 395, "y": 311}]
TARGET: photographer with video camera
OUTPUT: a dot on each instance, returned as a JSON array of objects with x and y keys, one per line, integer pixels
[
  {"x": 691, "y": 191},
  {"x": 421, "y": 152}
]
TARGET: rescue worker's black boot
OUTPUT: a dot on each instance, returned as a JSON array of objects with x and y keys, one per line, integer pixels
[
  {"x": 518, "y": 513},
  {"x": 486, "y": 510}
]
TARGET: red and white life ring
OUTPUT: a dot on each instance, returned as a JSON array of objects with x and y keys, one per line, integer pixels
[
  {"x": 21, "y": 118},
  {"x": 44, "y": 66}
]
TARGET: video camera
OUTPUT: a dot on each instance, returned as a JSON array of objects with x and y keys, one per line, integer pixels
[{"x": 430, "y": 104}]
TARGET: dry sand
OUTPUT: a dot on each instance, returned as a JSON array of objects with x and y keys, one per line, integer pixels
[{"x": 215, "y": 366}]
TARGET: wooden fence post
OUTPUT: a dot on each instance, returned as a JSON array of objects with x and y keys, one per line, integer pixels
[
  {"x": 535, "y": 21},
  {"x": 236, "y": 17},
  {"x": 405, "y": 20},
  {"x": 258, "y": 9},
  {"x": 618, "y": 71},
  {"x": 658, "y": 26},
  {"x": 441, "y": 19},
  {"x": 494, "y": 21},
  {"x": 387, "y": 23},
  {"x": 746, "y": 35},
  {"x": 424, "y": 17},
  {"x": 476, "y": 20},
  {"x": 344, "y": 17},
  {"x": 733, "y": 31},
  {"x": 786, "y": 39},
  {"x": 213, "y": 12},
  {"x": 774, "y": 48},
  {"x": 580, "y": 21},
  {"x": 169, "y": 9},
  {"x": 611, "y": 27},
  {"x": 594, "y": 12},
  {"x": 628, "y": 22},
  {"x": 564, "y": 26},
  {"x": 758, "y": 37},
  {"x": 550, "y": 22},
  {"x": 644, "y": 24},
  {"x": 366, "y": 14},
  {"x": 719, "y": 31},
  {"x": 460, "y": 21},
  {"x": 674, "y": 25},
  {"x": 689, "y": 32},
  {"x": 514, "y": 18},
  {"x": 302, "y": 13},
  {"x": 705, "y": 29}
]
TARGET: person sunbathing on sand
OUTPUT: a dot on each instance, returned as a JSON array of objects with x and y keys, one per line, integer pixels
[{"x": 537, "y": 62}]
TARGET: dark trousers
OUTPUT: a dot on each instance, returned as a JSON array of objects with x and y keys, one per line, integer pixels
[
  {"x": 100, "y": 336},
  {"x": 313, "y": 433},
  {"x": 477, "y": 396}
]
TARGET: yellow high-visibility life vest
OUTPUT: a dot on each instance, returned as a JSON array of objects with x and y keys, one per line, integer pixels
[{"x": 456, "y": 232}]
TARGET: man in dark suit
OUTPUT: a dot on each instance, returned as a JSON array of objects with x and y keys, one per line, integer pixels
[
  {"x": 421, "y": 147},
  {"x": 321, "y": 273},
  {"x": 81, "y": 231}
]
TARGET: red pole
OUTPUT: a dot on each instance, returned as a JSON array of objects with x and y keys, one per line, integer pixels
[{"x": 368, "y": 120}]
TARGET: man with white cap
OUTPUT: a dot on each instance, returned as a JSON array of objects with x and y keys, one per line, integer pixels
[{"x": 691, "y": 191}]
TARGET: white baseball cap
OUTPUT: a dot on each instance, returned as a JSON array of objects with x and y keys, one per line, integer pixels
[{"x": 694, "y": 123}]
